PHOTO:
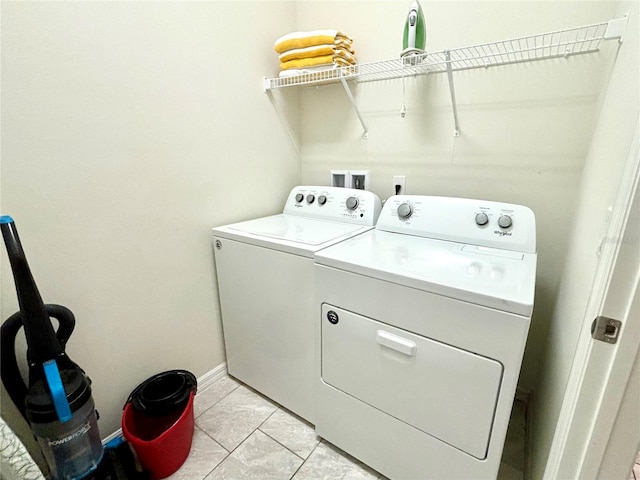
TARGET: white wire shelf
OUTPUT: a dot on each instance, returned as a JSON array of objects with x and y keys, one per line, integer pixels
[{"x": 556, "y": 44}]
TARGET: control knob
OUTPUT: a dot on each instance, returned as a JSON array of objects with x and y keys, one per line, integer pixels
[
  {"x": 504, "y": 221},
  {"x": 310, "y": 198},
  {"x": 299, "y": 197},
  {"x": 352, "y": 203},
  {"x": 405, "y": 210},
  {"x": 482, "y": 219},
  {"x": 322, "y": 199}
]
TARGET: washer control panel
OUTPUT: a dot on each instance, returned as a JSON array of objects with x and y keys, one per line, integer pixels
[
  {"x": 349, "y": 205},
  {"x": 475, "y": 222}
]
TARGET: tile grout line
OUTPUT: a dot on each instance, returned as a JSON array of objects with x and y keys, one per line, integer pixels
[
  {"x": 289, "y": 450},
  {"x": 218, "y": 443},
  {"x": 245, "y": 438},
  {"x": 229, "y": 452},
  {"x": 207, "y": 434},
  {"x": 278, "y": 407},
  {"x": 298, "y": 469},
  {"x": 280, "y": 443},
  {"x": 288, "y": 412},
  {"x": 218, "y": 401}
]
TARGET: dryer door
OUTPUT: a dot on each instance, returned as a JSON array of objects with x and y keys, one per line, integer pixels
[{"x": 446, "y": 392}]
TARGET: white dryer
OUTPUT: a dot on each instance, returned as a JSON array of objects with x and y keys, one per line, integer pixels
[
  {"x": 266, "y": 285},
  {"x": 422, "y": 331}
]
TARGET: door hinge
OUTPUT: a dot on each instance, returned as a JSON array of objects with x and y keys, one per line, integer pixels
[{"x": 606, "y": 329}]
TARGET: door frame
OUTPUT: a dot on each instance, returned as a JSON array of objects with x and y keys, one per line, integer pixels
[{"x": 600, "y": 372}]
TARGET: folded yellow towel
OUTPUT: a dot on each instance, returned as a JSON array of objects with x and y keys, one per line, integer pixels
[
  {"x": 309, "y": 39},
  {"x": 321, "y": 60},
  {"x": 315, "y": 51}
]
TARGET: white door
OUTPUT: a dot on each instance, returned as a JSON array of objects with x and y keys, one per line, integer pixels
[{"x": 600, "y": 416}]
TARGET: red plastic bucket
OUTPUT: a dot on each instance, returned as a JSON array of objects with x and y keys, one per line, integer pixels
[{"x": 162, "y": 444}]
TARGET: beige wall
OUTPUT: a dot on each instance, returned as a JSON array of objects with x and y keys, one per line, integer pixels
[
  {"x": 129, "y": 129},
  {"x": 525, "y": 129},
  {"x": 617, "y": 118}
]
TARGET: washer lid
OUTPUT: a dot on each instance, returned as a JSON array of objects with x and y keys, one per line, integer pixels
[
  {"x": 290, "y": 232},
  {"x": 495, "y": 278}
]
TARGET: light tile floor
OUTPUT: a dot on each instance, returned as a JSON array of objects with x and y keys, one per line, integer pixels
[{"x": 241, "y": 435}]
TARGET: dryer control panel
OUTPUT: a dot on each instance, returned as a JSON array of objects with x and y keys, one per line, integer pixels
[
  {"x": 359, "y": 207},
  {"x": 475, "y": 222}
]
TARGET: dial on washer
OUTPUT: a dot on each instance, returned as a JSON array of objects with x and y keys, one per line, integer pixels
[
  {"x": 405, "y": 210},
  {"x": 352, "y": 203}
]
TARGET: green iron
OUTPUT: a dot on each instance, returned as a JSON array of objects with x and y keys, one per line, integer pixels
[{"x": 414, "y": 37}]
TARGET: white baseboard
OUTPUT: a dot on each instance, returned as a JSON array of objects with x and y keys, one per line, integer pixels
[
  {"x": 212, "y": 376},
  {"x": 204, "y": 381}
]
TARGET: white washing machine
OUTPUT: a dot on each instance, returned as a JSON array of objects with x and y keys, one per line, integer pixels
[
  {"x": 422, "y": 331},
  {"x": 266, "y": 286}
]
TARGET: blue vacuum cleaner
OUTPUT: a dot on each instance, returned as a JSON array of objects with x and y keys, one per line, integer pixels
[{"x": 57, "y": 402}]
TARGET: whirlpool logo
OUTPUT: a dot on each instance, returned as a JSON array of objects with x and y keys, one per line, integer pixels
[
  {"x": 502, "y": 233},
  {"x": 78, "y": 433}
]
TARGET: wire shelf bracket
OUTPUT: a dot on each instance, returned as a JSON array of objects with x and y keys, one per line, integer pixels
[
  {"x": 616, "y": 28},
  {"x": 556, "y": 44},
  {"x": 365, "y": 135},
  {"x": 456, "y": 125}
]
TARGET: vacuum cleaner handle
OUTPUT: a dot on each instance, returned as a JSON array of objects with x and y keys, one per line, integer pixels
[
  {"x": 9, "y": 370},
  {"x": 41, "y": 338},
  {"x": 66, "y": 321}
]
